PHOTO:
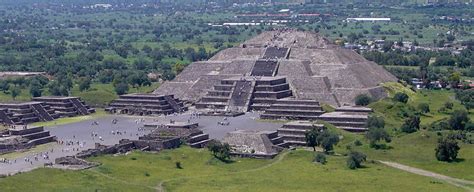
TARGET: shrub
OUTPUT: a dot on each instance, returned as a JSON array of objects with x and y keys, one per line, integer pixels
[
  {"x": 376, "y": 134},
  {"x": 447, "y": 149},
  {"x": 220, "y": 150},
  {"x": 320, "y": 158},
  {"x": 424, "y": 107},
  {"x": 401, "y": 97},
  {"x": 355, "y": 159},
  {"x": 448, "y": 105},
  {"x": 363, "y": 100},
  {"x": 458, "y": 120},
  {"x": 357, "y": 143},
  {"x": 375, "y": 121},
  {"x": 178, "y": 165},
  {"x": 412, "y": 124}
]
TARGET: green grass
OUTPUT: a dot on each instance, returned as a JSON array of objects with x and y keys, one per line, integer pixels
[
  {"x": 99, "y": 94},
  {"x": 140, "y": 171},
  {"x": 417, "y": 149},
  {"x": 67, "y": 120}
]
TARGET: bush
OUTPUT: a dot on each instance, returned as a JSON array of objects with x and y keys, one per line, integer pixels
[
  {"x": 458, "y": 120},
  {"x": 376, "y": 134},
  {"x": 357, "y": 143},
  {"x": 424, "y": 107},
  {"x": 363, "y": 100},
  {"x": 178, "y": 165},
  {"x": 355, "y": 159},
  {"x": 401, "y": 97},
  {"x": 448, "y": 105},
  {"x": 375, "y": 121},
  {"x": 220, "y": 150},
  {"x": 447, "y": 149},
  {"x": 320, "y": 158},
  {"x": 412, "y": 124}
]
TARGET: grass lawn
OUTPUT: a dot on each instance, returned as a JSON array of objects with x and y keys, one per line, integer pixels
[
  {"x": 292, "y": 171},
  {"x": 67, "y": 120},
  {"x": 418, "y": 149}
]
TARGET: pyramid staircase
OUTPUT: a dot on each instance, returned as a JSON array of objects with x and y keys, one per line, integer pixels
[{"x": 294, "y": 133}]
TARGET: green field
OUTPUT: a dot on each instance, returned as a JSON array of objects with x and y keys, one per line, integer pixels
[{"x": 291, "y": 171}]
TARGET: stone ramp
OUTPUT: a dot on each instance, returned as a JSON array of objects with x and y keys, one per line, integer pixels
[
  {"x": 79, "y": 106},
  {"x": 276, "y": 53},
  {"x": 264, "y": 68},
  {"x": 242, "y": 93},
  {"x": 41, "y": 112},
  {"x": 4, "y": 117}
]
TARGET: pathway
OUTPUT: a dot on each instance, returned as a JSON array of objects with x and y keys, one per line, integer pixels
[{"x": 454, "y": 181}]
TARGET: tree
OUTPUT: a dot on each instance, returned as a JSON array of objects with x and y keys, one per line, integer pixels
[
  {"x": 447, "y": 149},
  {"x": 376, "y": 134},
  {"x": 311, "y": 138},
  {"x": 448, "y": 105},
  {"x": 424, "y": 107},
  {"x": 84, "y": 84},
  {"x": 412, "y": 124},
  {"x": 327, "y": 140},
  {"x": 219, "y": 150},
  {"x": 121, "y": 88},
  {"x": 375, "y": 121},
  {"x": 15, "y": 92},
  {"x": 458, "y": 120},
  {"x": 401, "y": 97},
  {"x": 363, "y": 100},
  {"x": 35, "y": 91},
  {"x": 4, "y": 86},
  {"x": 355, "y": 159}
]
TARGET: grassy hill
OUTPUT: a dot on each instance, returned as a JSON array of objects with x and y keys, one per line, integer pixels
[{"x": 291, "y": 171}]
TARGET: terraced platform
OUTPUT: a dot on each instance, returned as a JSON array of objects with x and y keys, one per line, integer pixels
[
  {"x": 146, "y": 104},
  {"x": 314, "y": 68}
]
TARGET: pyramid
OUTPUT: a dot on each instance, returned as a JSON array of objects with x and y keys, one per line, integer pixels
[{"x": 313, "y": 67}]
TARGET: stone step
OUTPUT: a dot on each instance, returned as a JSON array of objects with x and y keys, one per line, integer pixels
[
  {"x": 348, "y": 124},
  {"x": 36, "y": 135},
  {"x": 199, "y": 144},
  {"x": 283, "y": 131},
  {"x": 42, "y": 140},
  {"x": 198, "y": 138},
  {"x": 288, "y": 116},
  {"x": 297, "y": 102},
  {"x": 296, "y": 107},
  {"x": 294, "y": 112}
]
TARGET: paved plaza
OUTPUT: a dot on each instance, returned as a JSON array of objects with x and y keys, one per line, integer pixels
[{"x": 76, "y": 137}]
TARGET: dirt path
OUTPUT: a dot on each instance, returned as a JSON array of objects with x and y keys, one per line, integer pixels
[
  {"x": 279, "y": 159},
  {"x": 453, "y": 181}
]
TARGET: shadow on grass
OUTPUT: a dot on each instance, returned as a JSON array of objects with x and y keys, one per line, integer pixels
[{"x": 458, "y": 160}]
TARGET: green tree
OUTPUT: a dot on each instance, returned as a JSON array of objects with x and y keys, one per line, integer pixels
[
  {"x": 219, "y": 150},
  {"x": 375, "y": 121},
  {"x": 355, "y": 159},
  {"x": 376, "y": 134},
  {"x": 84, "y": 84},
  {"x": 15, "y": 91},
  {"x": 363, "y": 100},
  {"x": 35, "y": 91},
  {"x": 401, "y": 97},
  {"x": 121, "y": 88},
  {"x": 458, "y": 120},
  {"x": 424, "y": 107},
  {"x": 4, "y": 86},
  {"x": 447, "y": 149},
  {"x": 412, "y": 124},
  {"x": 311, "y": 138},
  {"x": 327, "y": 140}
]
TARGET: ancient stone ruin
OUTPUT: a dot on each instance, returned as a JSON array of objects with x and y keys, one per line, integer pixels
[
  {"x": 275, "y": 65},
  {"x": 253, "y": 144},
  {"x": 21, "y": 138},
  {"x": 42, "y": 109},
  {"x": 146, "y": 104}
]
